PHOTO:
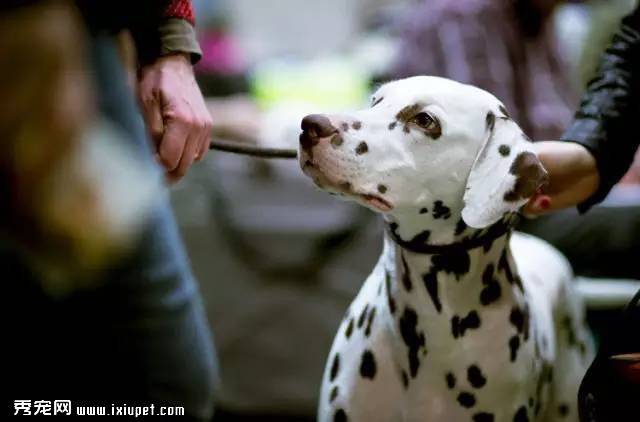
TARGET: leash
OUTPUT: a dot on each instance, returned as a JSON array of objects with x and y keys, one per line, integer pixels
[{"x": 252, "y": 150}]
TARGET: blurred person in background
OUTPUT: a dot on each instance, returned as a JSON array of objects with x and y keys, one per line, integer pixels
[
  {"x": 510, "y": 48},
  {"x": 91, "y": 316}
]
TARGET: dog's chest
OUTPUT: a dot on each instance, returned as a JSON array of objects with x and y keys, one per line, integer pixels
[{"x": 459, "y": 331}]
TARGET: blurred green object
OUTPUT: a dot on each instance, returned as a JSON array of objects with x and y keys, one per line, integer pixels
[{"x": 331, "y": 83}]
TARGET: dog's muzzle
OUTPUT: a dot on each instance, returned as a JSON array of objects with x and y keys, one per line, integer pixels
[{"x": 315, "y": 128}]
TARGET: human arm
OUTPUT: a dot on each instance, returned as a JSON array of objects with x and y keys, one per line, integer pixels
[
  {"x": 603, "y": 135},
  {"x": 172, "y": 104}
]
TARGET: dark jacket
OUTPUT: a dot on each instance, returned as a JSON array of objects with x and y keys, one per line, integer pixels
[
  {"x": 606, "y": 121},
  {"x": 605, "y": 124}
]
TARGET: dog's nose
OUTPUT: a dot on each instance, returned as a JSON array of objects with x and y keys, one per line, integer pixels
[{"x": 314, "y": 127}]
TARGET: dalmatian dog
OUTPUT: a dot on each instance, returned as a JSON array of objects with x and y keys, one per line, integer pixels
[{"x": 461, "y": 319}]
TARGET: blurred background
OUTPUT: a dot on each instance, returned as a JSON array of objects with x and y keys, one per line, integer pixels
[{"x": 277, "y": 261}]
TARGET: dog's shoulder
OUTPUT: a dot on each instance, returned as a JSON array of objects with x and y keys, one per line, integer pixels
[{"x": 541, "y": 265}]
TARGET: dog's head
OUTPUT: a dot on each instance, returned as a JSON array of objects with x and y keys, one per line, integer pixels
[{"x": 426, "y": 146}]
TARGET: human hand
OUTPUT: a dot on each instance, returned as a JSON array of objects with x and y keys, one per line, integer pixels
[
  {"x": 175, "y": 113},
  {"x": 573, "y": 176}
]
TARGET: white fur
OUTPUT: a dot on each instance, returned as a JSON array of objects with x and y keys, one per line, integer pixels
[{"x": 464, "y": 171}]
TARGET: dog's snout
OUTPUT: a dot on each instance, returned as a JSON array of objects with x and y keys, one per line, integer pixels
[
  {"x": 315, "y": 127},
  {"x": 318, "y": 125}
]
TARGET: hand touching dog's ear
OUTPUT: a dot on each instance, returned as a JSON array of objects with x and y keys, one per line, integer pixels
[
  {"x": 573, "y": 176},
  {"x": 505, "y": 174}
]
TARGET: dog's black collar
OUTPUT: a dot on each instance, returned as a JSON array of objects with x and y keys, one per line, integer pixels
[{"x": 476, "y": 240}]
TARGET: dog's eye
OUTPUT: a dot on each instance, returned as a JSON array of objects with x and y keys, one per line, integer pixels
[
  {"x": 423, "y": 120},
  {"x": 428, "y": 123}
]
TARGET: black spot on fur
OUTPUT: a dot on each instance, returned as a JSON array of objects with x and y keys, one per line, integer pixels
[
  {"x": 530, "y": 175},
  {"x": 349, "y": 329},
  {"x": 503, "y": 265},
  {"x": 567, "y": 323},
  {"x": 461, "y": 226},
  {"x": 344, "y": 126},
  {"x": 390, "y": 299},
  {"x": 583, "y": 350},
  {"x": 467, "y": 400},
  {"x": 521, "y": 415},
  {"x": 335, "y": 367},
  {"x": 333, "y": 394},
  {"x": 339, "y": 416},
  {"x": 483, "y": 417},
  {"x": 382, "y": 188},
  {"x": 392, "y": 125},
  {"x": 563, "y": 410},
  {"x": 405, "y": 379},
  {"x": 451, "y": 380},
  {"x": 362, "y": 148},
  {"x": 412, "y": 338},
  {"x": 491, "y": 121},
  {"x": 345, "y": 186},
  {"x": 487, "y": 244},
  {"x": 440, "y": 210},
  {"x": 504, "y": 150},
  {"x": 475, "y": 377},
  {"x": 368, "y": 365},
  {"x": 492, "y": 291},
  {"x": 504, "y": 111},
  {"x": 406, "y": 275},
  {"x": 423, "y": 210},
  {"x": 363, "y": 315},
  {"x": 456, "y": 262},
  {"x": 514, "y": 345},
  {"x": 517, "y": 319},
  {"x": 376, "y": 101},
  {"x": 372, "y": 315},
  {"x": 356, "y": 125},
  {"x": 431, "y": 283},
  {"x": 455, "y": 326},
  {"x": 460, "y": 325}
]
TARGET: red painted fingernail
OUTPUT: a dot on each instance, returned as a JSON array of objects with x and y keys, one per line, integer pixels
[{"x": 544, "y": 203}]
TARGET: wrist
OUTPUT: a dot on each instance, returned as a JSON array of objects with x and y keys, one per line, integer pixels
[{"x": 170, "y": 36}]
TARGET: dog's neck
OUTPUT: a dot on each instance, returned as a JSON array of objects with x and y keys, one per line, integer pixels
[{"x": 424, "y": 275}]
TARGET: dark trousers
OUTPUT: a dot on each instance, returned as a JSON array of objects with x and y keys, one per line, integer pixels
[{"x": 142, "y": 334}]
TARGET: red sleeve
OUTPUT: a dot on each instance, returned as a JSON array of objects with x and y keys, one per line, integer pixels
[{"x": 180, "y": 9}]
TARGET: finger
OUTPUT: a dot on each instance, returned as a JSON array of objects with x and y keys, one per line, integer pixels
[
  {"x": 187, "y": 158},
  {"x": 204, "y": 141},
  {"x": 173, "y": 144},
  {"x": 538, "y": 205},
  {"x": 153, "y": 119}
]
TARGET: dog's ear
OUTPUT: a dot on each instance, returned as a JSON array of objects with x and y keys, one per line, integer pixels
[{"x": 505, "y": 174}]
